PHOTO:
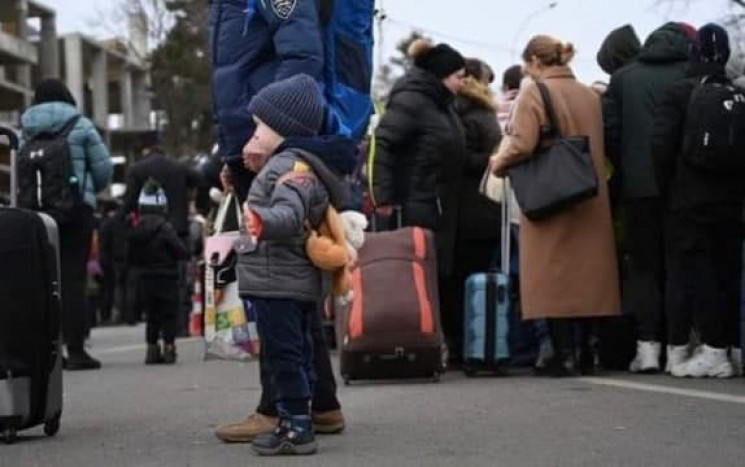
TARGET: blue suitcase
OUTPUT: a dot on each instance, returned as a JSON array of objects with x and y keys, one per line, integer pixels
[{"x": 488, "y": 301}]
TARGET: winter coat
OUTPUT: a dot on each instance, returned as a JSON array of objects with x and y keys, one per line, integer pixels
[
  {"x": 568, "y": 261},
  {"x": 618, "y": 49},
  {"x": 419, "y": 159},
  {"x": 252, "y": 50},
  {"x": 154, "y": 247},
  {"x": 629, "y": 104},
  {"x": 702, "y": 196},
  {"x": 278, "y": 266},
  {"x": 475, "y": 107},
  {"x": 91, "y": 160},
  {"x": 176, "y": 178}
]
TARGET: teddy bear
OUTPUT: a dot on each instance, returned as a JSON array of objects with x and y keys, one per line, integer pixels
[{"x": 333, "y": 247}]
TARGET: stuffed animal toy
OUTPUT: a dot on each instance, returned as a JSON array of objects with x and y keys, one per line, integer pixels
[{"x": 333, "y": 248}]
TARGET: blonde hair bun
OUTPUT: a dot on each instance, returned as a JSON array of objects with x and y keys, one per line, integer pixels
[{"x": 419, "y": 47}]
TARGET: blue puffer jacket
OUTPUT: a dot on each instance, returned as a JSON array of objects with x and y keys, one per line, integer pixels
[
  {"x": 273, "y": 41},
  {"x": 84, "y": 141}
]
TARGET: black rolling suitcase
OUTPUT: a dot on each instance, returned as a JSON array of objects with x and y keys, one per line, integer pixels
[{"x": 30, "y": 347}]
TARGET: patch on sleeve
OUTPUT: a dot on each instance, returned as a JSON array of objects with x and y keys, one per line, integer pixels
[
  {"x": 300, "y": 166},
  {"x": 283, "y": 8}
]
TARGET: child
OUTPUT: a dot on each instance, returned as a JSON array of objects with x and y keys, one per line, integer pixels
[
  {"x": 154, "y": 252},
  {"x": 290, "y": 194}
]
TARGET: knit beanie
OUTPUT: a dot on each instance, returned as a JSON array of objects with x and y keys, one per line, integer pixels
[
  {"x": 292, "y": 107},
  {"x": 152, "y": 198},
  {"x": 441, "y": 60},
  {"x": 712, "y": 45},
  {"x": 52, "y": 90}
]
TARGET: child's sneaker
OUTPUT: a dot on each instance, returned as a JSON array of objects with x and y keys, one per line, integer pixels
[
  {"x": 286, "y": 440},
  {"x": 710, "y": 362}
]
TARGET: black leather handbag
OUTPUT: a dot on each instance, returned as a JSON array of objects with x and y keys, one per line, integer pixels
[{"x": 559, "y": 175}]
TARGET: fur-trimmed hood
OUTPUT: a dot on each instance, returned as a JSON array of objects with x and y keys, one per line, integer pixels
[{"x": 474, "y": 94}]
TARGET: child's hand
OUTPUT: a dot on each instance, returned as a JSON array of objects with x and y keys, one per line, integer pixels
[{"x": 254, "y": 225}]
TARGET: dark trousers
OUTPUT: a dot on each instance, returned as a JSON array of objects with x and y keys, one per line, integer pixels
[
  {"x": 285, "y": 328},
  {"x": 644, "y": 288},
  {"x": 75, "y": 243},
  {"x": 703, "y": 262},
  {"x": 571, "y": 335},
  {"x": 159, "y": 298},
  {"x": 324, "y": 393}
]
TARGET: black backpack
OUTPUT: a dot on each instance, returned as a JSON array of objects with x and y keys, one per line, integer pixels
[
  {"x": 46, "y": 178},
  {"x": 715, "y": 130}
]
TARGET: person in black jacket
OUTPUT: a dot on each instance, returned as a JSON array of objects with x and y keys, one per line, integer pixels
[
  {"x": 155, "y": 251},
  {"x": 420, "y": 157},
  {"x": 478, "y": 218},
  {"x": 421, "y": 147},
  {"x": 703, "y": 216},
  {"x": 628, "y": 112},
  {"x": 177, "y": 180}
]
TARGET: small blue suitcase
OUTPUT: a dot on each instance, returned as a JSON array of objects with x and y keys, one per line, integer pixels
[{"x": 488, "y": 298}]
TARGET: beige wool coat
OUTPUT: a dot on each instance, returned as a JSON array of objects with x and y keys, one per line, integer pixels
[{"x": 568, "y": 263}]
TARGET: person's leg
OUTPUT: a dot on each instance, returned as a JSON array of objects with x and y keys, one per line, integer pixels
[
  {"x": 284, "y": 326},
  {"x": 74, "y": 249},
  {"x": 562, "y": 339},
  {"x": 168, "y": 310},
  {"x": 643, "y": 292},
  {"x": 149, "y": 291},
  {"x": 108, "y": 286},
  {"x": 327, "y": 415},
  {"x": 681, "y": 266},
  {"x": 644, "y": 235}
]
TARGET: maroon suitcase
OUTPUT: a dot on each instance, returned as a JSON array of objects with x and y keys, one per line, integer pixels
[{"x": 392, "y": 329}]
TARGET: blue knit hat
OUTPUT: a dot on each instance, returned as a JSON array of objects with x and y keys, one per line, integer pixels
[
  {"x": 292, "y": 107},
  {"x": 712, "y": 45}
]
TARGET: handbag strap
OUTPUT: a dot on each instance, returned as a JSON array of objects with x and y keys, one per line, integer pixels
[{"x": 553, "y": 122}]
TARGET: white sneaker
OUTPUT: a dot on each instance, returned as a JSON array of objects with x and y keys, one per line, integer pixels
[
  {"x": 676, "y": 355},
  {"x": 647, "y": 357},
  {"x": 710, "y": 362},
  {"x": 736, "y": 359}
]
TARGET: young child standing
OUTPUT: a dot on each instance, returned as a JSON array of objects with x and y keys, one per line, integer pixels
[
  {"x": 154, "y": 252},
  {"x": 289, "y": 195}
]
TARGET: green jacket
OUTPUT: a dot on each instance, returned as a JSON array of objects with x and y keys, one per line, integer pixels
[{"x": 629, "y": 106}]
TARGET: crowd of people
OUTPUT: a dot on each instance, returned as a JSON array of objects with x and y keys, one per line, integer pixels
[{"x": 660, "y": 241}]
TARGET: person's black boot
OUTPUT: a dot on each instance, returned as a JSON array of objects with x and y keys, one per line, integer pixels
[
  {"x": 153, "y": 356},
  {"x": 79, "y": 360},
  {"x": 563, "y": 365},
  {"x": 291, "y": 437},
  {"x": 169, "y": 354}
]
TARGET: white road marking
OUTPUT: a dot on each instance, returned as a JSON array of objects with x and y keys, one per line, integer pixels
[{"x": 661, "y": 389}]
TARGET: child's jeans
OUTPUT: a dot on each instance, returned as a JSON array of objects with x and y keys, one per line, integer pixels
[{"x": 285, "y": 331}]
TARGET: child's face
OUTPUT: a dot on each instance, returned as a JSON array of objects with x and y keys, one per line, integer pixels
[{"x": 260, "y": 147}]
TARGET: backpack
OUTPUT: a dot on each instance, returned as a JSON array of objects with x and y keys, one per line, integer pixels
[
  {"x": 348, "y": 62},
  {"x": 715, "y": 130},
  {"x": 46, "y": 178}
]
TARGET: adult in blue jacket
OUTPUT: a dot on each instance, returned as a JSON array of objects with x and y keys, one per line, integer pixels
[
  {"x": 52, "y": 108},
  {"x": 255, "y": 43}
]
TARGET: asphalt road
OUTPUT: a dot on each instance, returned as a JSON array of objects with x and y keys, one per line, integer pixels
[{"x": 131, "y": 415}]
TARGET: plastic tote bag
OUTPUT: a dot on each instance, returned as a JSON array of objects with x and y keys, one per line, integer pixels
[{"x": 229, "y": 323}]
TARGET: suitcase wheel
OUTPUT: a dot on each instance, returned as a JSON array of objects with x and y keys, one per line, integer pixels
[
  {"x": 51, "y": 427},
  {"x": 10, "y": 435}
]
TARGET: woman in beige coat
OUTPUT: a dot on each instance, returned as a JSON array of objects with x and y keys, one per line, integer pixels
[{"x": 568, "y": 261}]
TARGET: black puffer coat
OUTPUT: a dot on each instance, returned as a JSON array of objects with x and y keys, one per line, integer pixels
[
  {"x": 479, "y": 218},
  {"x": 702, "y": 196},
  {"x": 419, "y": 159}
]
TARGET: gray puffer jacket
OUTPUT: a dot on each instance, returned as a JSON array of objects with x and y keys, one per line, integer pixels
[{"x": 292, "y": 190}]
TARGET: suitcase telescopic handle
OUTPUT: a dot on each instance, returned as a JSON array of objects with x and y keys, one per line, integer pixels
[
  {"x": 505, "y": 227},
  {"x": 13, "y": 143},
  {"x": 397, "y": 211}
]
